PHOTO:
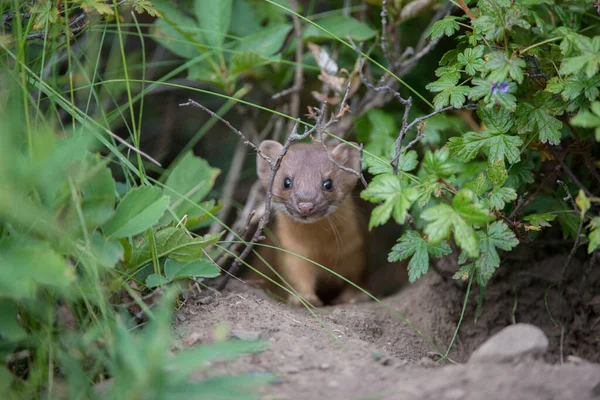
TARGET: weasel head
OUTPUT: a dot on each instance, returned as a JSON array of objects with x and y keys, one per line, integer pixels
[{"x": 308, "y": 186}]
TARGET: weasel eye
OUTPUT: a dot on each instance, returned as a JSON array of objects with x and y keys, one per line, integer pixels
[
  {"x": 287, "y": 183},
  {"x": 328, "y": 184}
]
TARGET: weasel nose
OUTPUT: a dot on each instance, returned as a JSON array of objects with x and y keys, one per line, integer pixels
[{"x": 306, "y": 208}]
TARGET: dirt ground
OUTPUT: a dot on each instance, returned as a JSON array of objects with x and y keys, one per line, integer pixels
[{"x": 366, "y": 351}]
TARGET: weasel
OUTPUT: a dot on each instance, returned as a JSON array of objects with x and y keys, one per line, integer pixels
[{"x": 316, "y": 218}]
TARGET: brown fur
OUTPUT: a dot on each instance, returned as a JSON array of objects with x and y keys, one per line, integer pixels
[{"x": 332, "y": 235}]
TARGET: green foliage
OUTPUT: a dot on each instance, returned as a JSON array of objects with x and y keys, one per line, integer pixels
[
  {"x": 530, "y": 77},
  {"x": 412, "y": 245}
]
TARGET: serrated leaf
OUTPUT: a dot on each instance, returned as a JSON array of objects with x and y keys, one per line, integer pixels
[
  {"x": 438, "y": 163},
  {"x": 478, "y": 186},
  {"x": 537, "y": 117},
  {"x": 458, "y": 218},
  {"x": 471, "y": 59},
  {"x": 594, "y": 227},
  {"x": 172, "y": 242},
  {"x": 589, "y": 62},
  {"x": 214, "y": 17},
  {"x": 203, "y": 268},
  {"x": 498, "y": 146},
  {"x": 139, "y": 210},
  {"x": 582, "y": 202},
  {"x": 455, "y": 96},
  {"x": 242, "y": 62},
  {"x": 397, "y": 198},
  {"x": 446, "y": 26},
  {"x": 500, "y": 196},
  {"x": 589, "y": 119},
  {"x": 498, "y": 120},
  {"x": 497, "y": 235},
  {"x": 497, "y": 173},
  {"x": 540, "y": 220},
  {"x": 411, "y": 244},
  {"x": 500, "y": 67}
]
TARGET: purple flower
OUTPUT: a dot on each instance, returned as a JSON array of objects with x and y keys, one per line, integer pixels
[{"x": 501, "y": 87}]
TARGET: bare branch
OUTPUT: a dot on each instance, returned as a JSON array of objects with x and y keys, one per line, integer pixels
[
  {"x": 294, "y": 136},
  {"x": 246, "y": 141},
  {"x": 384, "y": 43}
]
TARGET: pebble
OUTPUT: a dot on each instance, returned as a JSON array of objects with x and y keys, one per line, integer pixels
[
  {"x": 245, "y": 335},
  {"x": 512, "y": 344}
]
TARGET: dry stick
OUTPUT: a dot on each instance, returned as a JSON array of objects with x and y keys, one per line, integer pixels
[
  {"x": 384, "y": 43},
  {"x": 294, "y": 136},
  {"x": 572, "y": 175},
  {"x": 320, "y": 113},
  {"x": 578, "y": 238},
  {"x": 466, "y": 9},
  {"x": 245, "y": 140}
]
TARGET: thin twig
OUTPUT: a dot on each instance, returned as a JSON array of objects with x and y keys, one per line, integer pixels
[
  {"x": 245, "y": 140},
  {"x": 133, "y": 148},
  {"x": 384, "y": 43},
  {"x": 294, "y": 136},
  {"x": 572, "y": 176}
]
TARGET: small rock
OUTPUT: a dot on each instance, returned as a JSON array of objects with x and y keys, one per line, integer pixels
[
  {"x": 181, "y": 317},
  {"x": 205, "y": 300},
  {"x": 245, "y": 335},
  {"x": 512, "y": 344},
  {"x": 324, "y": 366},
  {"x": 596, "y": 390},
  {"x": 291, "y": 370},
  {"x": 192, "y": 339},
  {"x": 427, "y": 362}
]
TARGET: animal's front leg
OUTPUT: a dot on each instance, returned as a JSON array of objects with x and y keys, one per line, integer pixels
[{"x": 302, "y": 276}]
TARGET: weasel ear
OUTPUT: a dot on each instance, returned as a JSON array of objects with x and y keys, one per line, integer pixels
[
  {"x": 271, "y": 149},
  {"x": 347, "y": 155}
]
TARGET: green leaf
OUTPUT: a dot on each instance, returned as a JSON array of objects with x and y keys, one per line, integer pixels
[
  {"x": 455, "y": 96},
  {"x": 594, "y": 235},
  {"x": 589, "y": 119},
  {"x": 192, "y": 178},
  {"x": 155, "y": 280},
  {"x": 397, "y": 198},
  {"x": 176, "y": 31},
  {"x": 98, "y": 203},
  {"x": 471, "y": 59},
  {"x": 9, "y": 326},
  {"x": 266, "y": 41},
  {"x": 203, "y": 268},
  {"x": 411, "y": 244},
  {"x": 172, "y": 242},
  {"x": 445, "y": 26},
  {"x": 540, "y": 220},
  {"x": 582, "y": 202},
  {"x": 459, "y": 218},
  {"x": 500, "y": 67},
  {"x": 500, "y": 196},
  {"x": 29, "y": 265},
  {"x": 538, "y": 118},
  {"x": 342, "y": 27},
  {"x": 242, "y": 62},
  {"x": 497, "y": 173},
  {"x": 438, "y": 163},
  {"x": 478, "y": 186},
  {"x": 106, "y": 251},
  {"x": 497, "y": 120},
  {"x": 589, "y": 62},
  {"x": 6, "y": 379},
  {"x": 497, "y": 235},
  {"x": 498, "y": 146},
  {"x": 139, "y": 210},
  {"x": 214, "y": 17}
]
